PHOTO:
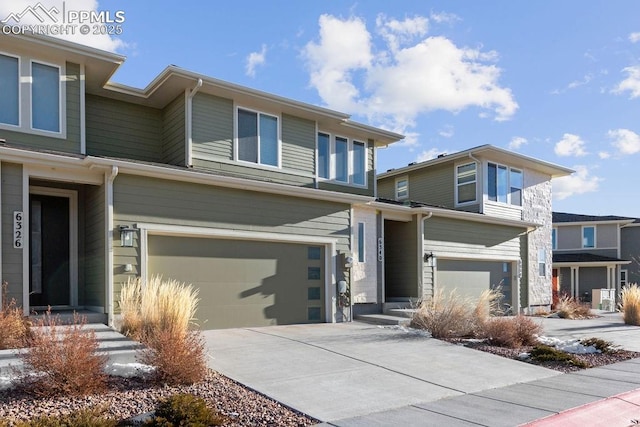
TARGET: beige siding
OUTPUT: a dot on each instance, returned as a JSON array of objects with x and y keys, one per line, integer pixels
[
  {"x": 11, "y": 201},
  {"x": 607, "y": 236},
  {"x": 121, "y": 129},
  {"x": 259, "y": 174},
  {"x": 94, "y": 246},
  {"x": 173, "y": 132},
  {"x": 569, "y": 237},
  {"x": 450, "y": 238},
  {"x": 298, "y": 144},
  {"x": 212, "y": 127},
  {"x": 346, "y": 188},
  {"x": 502, "y": 211},
  {"x": 139, "y": 199},
  {"x": 72, "y": 142}
]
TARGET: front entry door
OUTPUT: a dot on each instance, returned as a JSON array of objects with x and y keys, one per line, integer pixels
[{"x": 49, "y": 281}]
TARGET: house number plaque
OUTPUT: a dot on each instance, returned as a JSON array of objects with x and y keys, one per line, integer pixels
[{"x": 18, "y": 229}]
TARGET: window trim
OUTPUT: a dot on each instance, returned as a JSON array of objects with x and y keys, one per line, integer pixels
[
  {"x": 19, "y": 125},
  {"x": 457, "y": 185},
  {"x": 60, "y": 88},
  {"x": 595, "y": 237},
  {"x": 397, "y": 193},
  {"x": 350, "y": 160},
  {"x": 352, "y": 153},
  {"x": 542, "y": 263},
  {"x": 509, "y": 169},
  {"x": 236, "y": 141}
]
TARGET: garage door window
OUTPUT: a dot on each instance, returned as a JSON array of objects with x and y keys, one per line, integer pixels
[
  {"x": 313, "y": 273},
  {"x": 314, "y": 314},
  {"x": 314, "y": 252},
  {"x": 314, "y": 294}
]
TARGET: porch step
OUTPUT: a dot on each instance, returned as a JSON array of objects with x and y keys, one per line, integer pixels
[
  {"x": 401, "y": 312},
  {"x": 66, "y": 316},
  {"x": 117, "y": 347},
  {"x": 383, "y": 319}
]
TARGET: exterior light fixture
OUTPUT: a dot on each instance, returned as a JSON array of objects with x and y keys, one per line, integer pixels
[{"x": 126, "y": 236}]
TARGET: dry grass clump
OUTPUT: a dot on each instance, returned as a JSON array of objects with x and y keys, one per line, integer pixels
[
  {"x": 568, "y": 308},
  {"x": 92, "y": 417},
  {"x": 62, "y": 360},
  {"x": 452, "y": 315},
  {"x": 512, "y": 332},
  {"x": 15, "y": 328},
  {"x": 159, "y": 314},
  {"x": 630, "y": 304}
]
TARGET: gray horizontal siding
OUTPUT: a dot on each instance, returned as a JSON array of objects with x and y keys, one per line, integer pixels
[
  {"x": 323, "y": 185},
  {"x": 386, "y": 188},
  {"x": 244, "y": 170},
  {"x": 121, "y": 129},
  {"x": 173, "y": 132},
  {"x": 450, "y": 238},
  {"x": 502, "y": 211},
  {"x": 212, "y": 127},
  {"x": 570, "y": 236},
  {"x": 11, "y": 191},
  {"x": 94, "y": 246},
  {"x": 298, "y": 144}
]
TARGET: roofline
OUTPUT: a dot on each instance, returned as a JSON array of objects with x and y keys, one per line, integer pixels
[
  {"x": 157, "y": 171},
  {"x": 589, "y": 263},
  {"x": 623, "y": 222},
  {"x": 448, "y": 213},
  {"x": 470, "y": 152}
]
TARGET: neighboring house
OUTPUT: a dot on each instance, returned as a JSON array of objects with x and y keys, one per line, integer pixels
[
  {"x": 257, "y": 200},
  {"x": 594, "y": 252},
  {"x": 472, "y": 220}
]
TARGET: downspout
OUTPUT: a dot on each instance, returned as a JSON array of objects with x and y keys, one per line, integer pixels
[
  {"x": 109, "y": 178},
  {"x": 421, "y": 259},
  {"x": 189, "y": 122}
]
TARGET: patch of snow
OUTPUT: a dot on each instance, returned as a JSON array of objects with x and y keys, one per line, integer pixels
[
  {"x": 412, "y": 331},
  {"x": 5, "y": 382},
  {"x": 524, "y": 356},
  {"x": 568, "y": 346},
  {"x": 128, "y": 370}
]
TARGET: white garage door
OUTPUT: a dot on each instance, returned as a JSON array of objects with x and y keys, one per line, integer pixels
[{"x": 471, "y": 278}]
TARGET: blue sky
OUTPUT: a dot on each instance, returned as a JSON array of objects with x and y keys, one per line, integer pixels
[{"x": 559, "y": 81}]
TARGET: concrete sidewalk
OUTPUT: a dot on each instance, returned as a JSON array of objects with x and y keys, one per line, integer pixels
[{"x": 356, "y": 374}]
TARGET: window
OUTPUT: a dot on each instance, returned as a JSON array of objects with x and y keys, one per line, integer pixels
[
  {"x": 10, "y": 90},
  {"x": 554, "y": 238},
  {"x": 361, "y": 243},
  {"x": 45, "y": 97},
  {"x": 623, "y": 278},
  {"x": 402, "y": 188},
  {"x": 542, "y": 262},
  {"x": 341, "y": 159},
  {"x": 314, "y": 252},
  {"x": 504, "y": 185},
  {"x": 588, "y": 237},
  {"x": 466, "y": 183},
  {"x": 258, "y": 140}
]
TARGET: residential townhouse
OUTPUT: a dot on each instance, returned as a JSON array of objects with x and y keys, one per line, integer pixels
[
  {"x": 261, "y": 202},
  {"x": 471, "y": 221},
  {"x": 592, "y": 252}
]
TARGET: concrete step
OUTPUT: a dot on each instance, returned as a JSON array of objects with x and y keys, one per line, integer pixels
[
  {"x": 66, "y": 316},
  {"x": 383, "y": 319},
  {"x": 401, "y": 312}
]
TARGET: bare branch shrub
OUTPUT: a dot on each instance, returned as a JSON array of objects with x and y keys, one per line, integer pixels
[{"x": 15, "y": 327}]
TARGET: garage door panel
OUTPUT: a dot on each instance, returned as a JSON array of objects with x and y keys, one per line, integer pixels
[
  {"x": 242, "y": 283},
  {"x": 471, "y": 278}
]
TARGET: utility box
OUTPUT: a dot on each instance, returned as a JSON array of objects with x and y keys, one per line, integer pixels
[{"x": 603, "y": 299}]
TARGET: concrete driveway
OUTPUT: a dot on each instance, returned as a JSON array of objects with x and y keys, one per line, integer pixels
[{"x": 338, "y": 371}]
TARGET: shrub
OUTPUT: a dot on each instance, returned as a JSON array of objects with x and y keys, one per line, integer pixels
[
  {"x": 448, "y": 316},
  {"x": 62, "y": 359},
  {"x": 545, "y": 353},
  {"x": 179, "y": 358},
  {"x": 185, "y": 410},
  {"x": 568, "y": 308},
  {"x": 15, "y": 328},
  {"x": 630, "y": 304},
  {"x": 600, "y": 344},
  {"x": 511, "y": 332},
  {"x": 157, "y": 305},
  {"x": 93, "y": 417}
]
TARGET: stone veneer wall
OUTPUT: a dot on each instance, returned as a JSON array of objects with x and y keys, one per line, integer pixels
[{"x": 537, "y": 208}]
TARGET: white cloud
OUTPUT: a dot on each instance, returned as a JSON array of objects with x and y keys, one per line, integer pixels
[
  {"x": 577, "y": 83},
  {"x": 444, "y": 17},
  {"x": 604, "y": 154},
  {"x": 100, "y": 41},
  {"x": 410, "y": 74},
  {"x": 428, "y": 155},
  {"x": 625, "y": 141},
  {"x": 447, "y": 131},
  {"x": 631, "y": 83},
  {"x": 579, "y": 182},
  {"x": 634, "y": 37},
  {"x": 255, "y": 59},
  {"x": 570, "y": 145},
  {"x": 517, "y": 142}
]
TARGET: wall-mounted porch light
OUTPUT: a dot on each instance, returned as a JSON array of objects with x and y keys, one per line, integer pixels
[{"x": 126, "y": 236}]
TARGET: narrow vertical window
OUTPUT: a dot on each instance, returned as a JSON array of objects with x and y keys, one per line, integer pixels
[
  {"x": 10, "y": 90},
  {"x": 466, "y": 183},
  {"x": 515, "y": 183},
  {"x": 45, "y": 97},
  {"x": 588, "y": 237},
  {"x": 324, "y": 156},
  {"x": 554, "y": 238},
  {"x": 361, "y": 242},
  {"x": 268, "y": 140},
  {"x": 247, "y": 136},
  {"x": 402, "y": 188},
  {"x": 359, "y": 165},
  {"x": 342, "y": 159},
  {"x": 542, "y": 262}
]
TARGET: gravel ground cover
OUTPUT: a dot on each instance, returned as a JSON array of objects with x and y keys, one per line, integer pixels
[{"x": 129, "y": 397}]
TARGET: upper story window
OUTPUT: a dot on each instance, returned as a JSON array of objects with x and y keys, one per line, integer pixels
[
  {"x": 588, "y": 237},
  {"x": 504, "y": 185},
  {"x": 402, "y": 188},
  {"x": 466, "y": 178},
  {"x": 554, "y": 238},
  {"x": 342, "y": 160},
  {"x": 39, "y": 109},
  {"x": 258, "y": 139}
]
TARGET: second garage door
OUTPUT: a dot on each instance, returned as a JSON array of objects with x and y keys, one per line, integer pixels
[
  {"x": 472, "y": 277},
  {"x": 245, "y": 283}
]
